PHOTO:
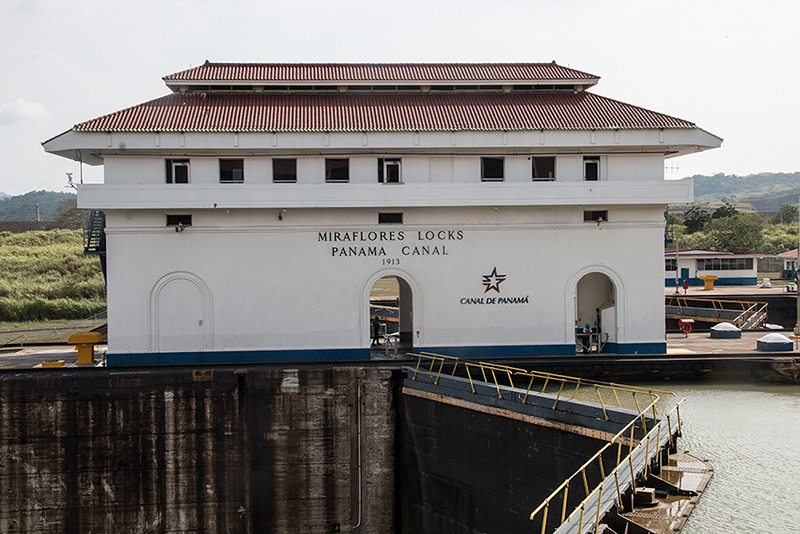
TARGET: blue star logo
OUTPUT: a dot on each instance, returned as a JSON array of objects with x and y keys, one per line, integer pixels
[{"x": 492, "y": 281}]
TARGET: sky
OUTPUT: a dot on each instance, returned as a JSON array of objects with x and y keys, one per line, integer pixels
[{"x": 729, "y": 66}]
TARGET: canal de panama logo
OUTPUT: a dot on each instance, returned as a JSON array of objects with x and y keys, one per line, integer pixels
[{"x": 492, "y": 280}]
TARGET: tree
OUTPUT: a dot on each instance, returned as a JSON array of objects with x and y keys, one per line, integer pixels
[
  {"x": 725, "y": 211},
  {"x": 787, "y": 214},
  {"x": 695, "y": 219},
  {"x": 69, "y": 216},
  {"x": 741, "y": 233}
]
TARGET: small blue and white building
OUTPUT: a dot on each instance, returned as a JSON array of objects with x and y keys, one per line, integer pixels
[
  {"x": 691, "y": 265},
  {"x": 250, "y": 212}
]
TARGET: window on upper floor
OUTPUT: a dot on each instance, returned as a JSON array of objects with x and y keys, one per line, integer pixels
[
  {"x": 389, "y": 171},
  {"x": 177, "y": 171},
  {"x": 591, "y": 168},
  {"x": 284, "y": 170},
  {"x": 597, "y": 215},
  {"x": 390, "y": 218},
  {"x": 337, "y": 170},
  {"x": 543, "y": 168},
  {"x": 231, "y": 171},
  {"x": 492, "y": 169},
  {"x": 179, "y": 220}
]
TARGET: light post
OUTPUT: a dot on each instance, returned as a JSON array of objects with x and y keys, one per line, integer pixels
[{"x": 796, "y": 269}]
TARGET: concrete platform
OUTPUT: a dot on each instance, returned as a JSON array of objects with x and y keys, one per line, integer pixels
[
  {"x": 690, "y": 475},
  {"x": 32, "y": 356},
  {"x": 701, "y": 343}
]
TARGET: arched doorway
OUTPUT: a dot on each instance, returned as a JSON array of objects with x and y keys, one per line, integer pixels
[
  {"x": 596, "y": 305},
  {"x": 391, "y": 303},
  {"x": 180, "y": 314}
]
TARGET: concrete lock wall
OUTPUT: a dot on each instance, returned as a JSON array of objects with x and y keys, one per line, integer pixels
[
  {"x": 220, "y": 450},
  {"x": 469, "y": 471}
]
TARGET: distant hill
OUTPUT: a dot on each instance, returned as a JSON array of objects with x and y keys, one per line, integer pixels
[
  {"x": 23, "y": 207},
  {"x": 765, "y": 191},
  {"x": 4, "y": 195}
]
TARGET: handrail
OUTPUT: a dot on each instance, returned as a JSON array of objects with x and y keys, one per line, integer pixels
[
  {"x": 438, "y": 362},
  {"x": 22, "y": 339},
  {"x": 649, "y": 454},
  {"x": 750, "y": 315}
]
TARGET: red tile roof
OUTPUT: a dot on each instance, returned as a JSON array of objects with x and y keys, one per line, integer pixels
[
  {"x": 263, "y": 112},
  {"x": 331, "y": 73}
]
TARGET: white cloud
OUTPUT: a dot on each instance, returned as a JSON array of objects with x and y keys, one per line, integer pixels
[{"x": 22, "y": 111}]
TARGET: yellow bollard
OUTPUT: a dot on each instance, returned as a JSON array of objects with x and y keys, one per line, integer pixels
[{"x": 84, "y": 343}]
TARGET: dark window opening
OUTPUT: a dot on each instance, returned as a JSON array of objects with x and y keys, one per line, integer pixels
[
  {"x": 671, "y": 265},
  {"x": 337, "y": 170},
  {"x": 284, "y": 170},
  {"x": 179, "y": 220},
  {"x": 724, "y": 264},
  {"x": 390, "y": 218},
  {"x": 231, "y": 170},
  {"x": 491, "y": 169},
  {"x": 591, "y": 168},
  {"x": 389, "y": 171},
  {"x": 598, "y": 216},
  {"x": 544, "y": 168},
  {"x": 177, "y": 171}
]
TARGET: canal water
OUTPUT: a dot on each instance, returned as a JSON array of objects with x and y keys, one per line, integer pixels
[{"x": 751, "y": 434}]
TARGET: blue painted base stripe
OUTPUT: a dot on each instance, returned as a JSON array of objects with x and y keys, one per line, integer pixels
[
  {"x": 724, "y": 281},
  {"x": 524, "y": 351},
  {"x": 341, "y": 355},
  {"x": 229, "y": 357},
  {"x": 501, "y": 351}
]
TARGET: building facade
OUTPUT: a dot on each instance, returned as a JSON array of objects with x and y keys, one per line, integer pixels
[
  {"x": 250, "y": 213},
  {"x": 691, "y": 265}
]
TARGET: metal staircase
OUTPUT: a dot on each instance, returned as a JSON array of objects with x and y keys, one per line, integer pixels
[
  {"x": 745, "y": 315},
  {"x": 94, "y": 238}
]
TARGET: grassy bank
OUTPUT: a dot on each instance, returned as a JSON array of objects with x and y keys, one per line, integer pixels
[{"x": 44, "y": 275}]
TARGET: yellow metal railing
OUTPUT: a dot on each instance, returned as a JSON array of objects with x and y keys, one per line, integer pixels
[
  {"x": 22, "y": 339},
  {"x": 502, "y": 377},
  {"x": 750, "y": 314},
  {"x": 650, "y": 449}
]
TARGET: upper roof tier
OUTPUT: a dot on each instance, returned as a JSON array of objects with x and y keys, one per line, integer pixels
[{"x": 377, "y": 74}]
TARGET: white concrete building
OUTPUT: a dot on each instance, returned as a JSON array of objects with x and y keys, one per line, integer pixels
[
  {"x": 250, "y": 212},
  {"x": 691, "y": 265}
]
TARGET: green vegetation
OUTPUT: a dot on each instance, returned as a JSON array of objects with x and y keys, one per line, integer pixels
[
  {"x": 730, "y": 230},
  {"x": 23, "y": 207},
  {"x": 763, "y": 192},
  {"x": 44, "y": 275}
]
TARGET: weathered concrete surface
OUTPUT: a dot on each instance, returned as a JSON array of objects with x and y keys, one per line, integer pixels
[
  {"x": 176, "y": 450},
  {"x": 468, "y": 471}
]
